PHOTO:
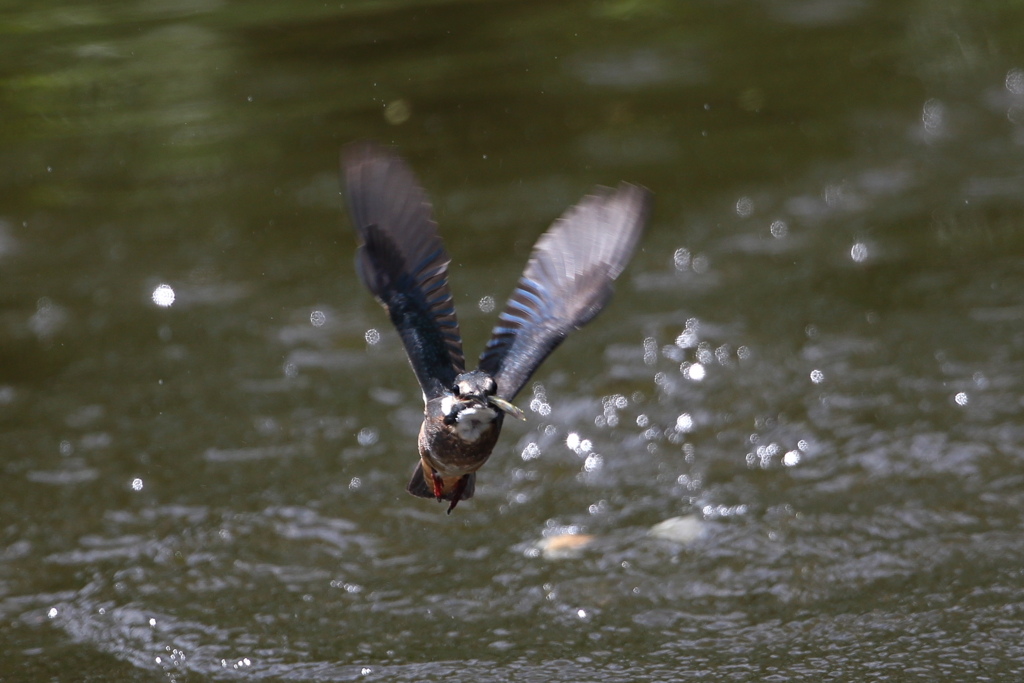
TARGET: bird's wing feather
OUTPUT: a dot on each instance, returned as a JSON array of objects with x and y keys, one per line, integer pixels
[
  {"x": 567, "y": 281},
  {"x": 403, "y": 262}
]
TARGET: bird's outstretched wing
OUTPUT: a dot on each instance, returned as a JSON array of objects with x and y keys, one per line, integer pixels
[
  {"x": 403, "y": 262},
  {"x": 567, "y": 281}
]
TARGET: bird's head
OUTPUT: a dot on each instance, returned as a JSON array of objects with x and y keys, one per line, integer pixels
[{"x": 475, "y": 391}]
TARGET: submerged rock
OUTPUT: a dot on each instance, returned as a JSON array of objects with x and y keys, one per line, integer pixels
[{"x": 684, "y": 530}]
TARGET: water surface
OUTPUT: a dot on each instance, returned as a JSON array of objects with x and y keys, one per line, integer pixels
[{"x": 811, "y": 368}]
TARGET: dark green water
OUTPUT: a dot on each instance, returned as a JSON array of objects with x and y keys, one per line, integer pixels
[{"x": 215, "y": 489}]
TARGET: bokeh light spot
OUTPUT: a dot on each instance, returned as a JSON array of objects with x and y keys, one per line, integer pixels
[
  {"x": 681, "y": 259},
  {"x": 744, "y": 207},
  {"x": 1015, "y": 81},
  {"x": 933, "y": 116},
  {"x": 695, "y": 372},
  {"x": 397, "y": 112},
  {"x": 367, "y": 436},
  {"x": 163, "y": 296},
  {"x": 531, "y": 452}
]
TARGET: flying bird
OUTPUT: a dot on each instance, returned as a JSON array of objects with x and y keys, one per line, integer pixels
[{"x": 402, "y": 261}]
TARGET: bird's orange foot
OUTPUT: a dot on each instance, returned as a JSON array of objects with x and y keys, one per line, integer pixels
[
  {"x": 435, "y": 478},
  {"x": 460, "y": 488}
]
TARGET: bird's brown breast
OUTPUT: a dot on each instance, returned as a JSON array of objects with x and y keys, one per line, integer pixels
[{"x": 443, "y": 449}]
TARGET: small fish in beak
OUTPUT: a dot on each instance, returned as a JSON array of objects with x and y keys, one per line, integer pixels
[{"x": 507, "y": 407}]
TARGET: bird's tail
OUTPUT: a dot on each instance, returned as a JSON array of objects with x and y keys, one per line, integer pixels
[{"x": 422, "y": 487}]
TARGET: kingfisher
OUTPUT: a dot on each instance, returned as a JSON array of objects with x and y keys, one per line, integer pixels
[{"x": 402, "y": 261}]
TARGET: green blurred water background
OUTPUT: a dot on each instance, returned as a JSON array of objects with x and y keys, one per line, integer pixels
[{"x": 812, "y": 367}]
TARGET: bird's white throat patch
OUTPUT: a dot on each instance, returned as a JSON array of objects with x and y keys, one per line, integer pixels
[
  {"x": 447, "y": 403},
  {"x": 473, "y": 422}
]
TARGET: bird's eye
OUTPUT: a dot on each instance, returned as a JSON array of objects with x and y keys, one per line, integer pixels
[{"x": 455, "y": 390}]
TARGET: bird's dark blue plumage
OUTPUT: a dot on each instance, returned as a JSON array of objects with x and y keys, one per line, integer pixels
[
  {"x": 403, "y": 262},
  {"x": 567, "y": 281}
]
